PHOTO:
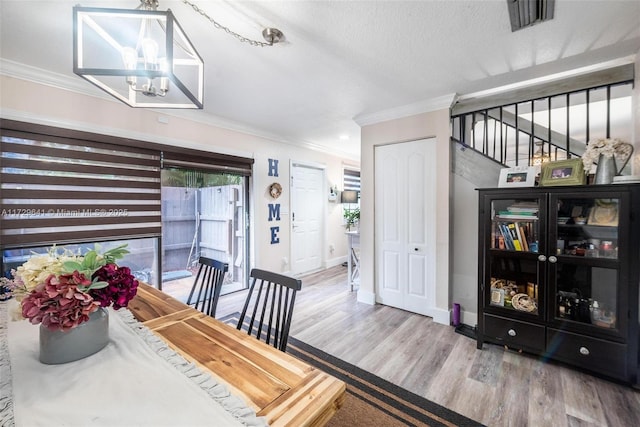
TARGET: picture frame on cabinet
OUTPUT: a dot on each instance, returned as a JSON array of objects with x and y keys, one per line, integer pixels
[
  {"x": 519, "y": 176},
  {"x": 497, "y": 297},
  {"x": 604, "y": 213},
  {"x": 562, "y": 172}
]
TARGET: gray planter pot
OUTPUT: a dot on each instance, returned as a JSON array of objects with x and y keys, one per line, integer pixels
[{"x": 58, "y": 347}]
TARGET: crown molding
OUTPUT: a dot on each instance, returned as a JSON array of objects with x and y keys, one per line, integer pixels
[
  {"x": 22, "y": 116},
  {"x": 80, "y": 86},
  {"x": 433, "y": 104},
  {"x": 77, "y": 85}
]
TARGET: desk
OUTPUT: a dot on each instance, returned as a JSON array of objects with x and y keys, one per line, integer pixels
[
  {"x": 353, "y": 259},
  {"x": 285, "y": 390}
]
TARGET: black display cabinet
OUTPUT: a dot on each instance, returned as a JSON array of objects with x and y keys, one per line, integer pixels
[{"x": 558, "y": 274}]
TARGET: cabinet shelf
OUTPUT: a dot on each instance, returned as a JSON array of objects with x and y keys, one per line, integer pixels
[{"x": 576, "y": 278}]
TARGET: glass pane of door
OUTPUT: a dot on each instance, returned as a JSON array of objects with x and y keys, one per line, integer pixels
[
  {"x": 585, "y": 275},
  {"x": 203, "y": 214},
  {"x": 515, "y": 225},
  {"x": 514, "y": 284},
  {"x": 513, "y": 272},
  {"x": 587, "y": 227},
  {"x": 587, "y": 294}
]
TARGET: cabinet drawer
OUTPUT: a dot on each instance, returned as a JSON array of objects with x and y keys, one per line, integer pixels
[
  {"x": 514, "y": 333},
  {"x": 606, "y": 357}
]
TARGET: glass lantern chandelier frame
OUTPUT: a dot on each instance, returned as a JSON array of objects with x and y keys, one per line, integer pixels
[{"x": 102, "y": 36}]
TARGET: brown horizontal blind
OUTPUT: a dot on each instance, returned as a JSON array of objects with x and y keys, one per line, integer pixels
[
  {"x": 57, "y": 190},
  {"x": 176, "y": 157}
]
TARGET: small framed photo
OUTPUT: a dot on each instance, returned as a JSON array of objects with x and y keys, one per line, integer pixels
[
  {"x": 497, "y": 297},
  {"x": 604, "y": 213},
  {"x": 519, "y": 176},
  {"x": 562, "y": 172}
]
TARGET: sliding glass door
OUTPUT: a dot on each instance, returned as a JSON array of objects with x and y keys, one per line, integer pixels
[{"x": 203, "y": 214}]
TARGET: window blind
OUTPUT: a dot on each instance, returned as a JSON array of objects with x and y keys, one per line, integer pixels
[
  {"x": 61, "y": 189},
  {"x": 351, "y": 179},
  {"x": 177, "y": 157}
]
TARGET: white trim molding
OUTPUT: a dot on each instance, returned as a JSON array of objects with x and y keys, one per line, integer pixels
[
  {"x": 80, "y": 86},
  {"x": 420, "y": 107},
  {"x": 366, "y": 297},
  {"x": 439, "y": 315}
]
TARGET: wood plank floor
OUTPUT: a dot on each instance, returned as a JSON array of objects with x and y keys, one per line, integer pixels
[{"x": 493, "y": 386}]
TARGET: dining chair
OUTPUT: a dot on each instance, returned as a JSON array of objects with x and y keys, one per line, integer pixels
[
  {"x": 208, "y": 284},
  {"x": 271, "y": 298}
]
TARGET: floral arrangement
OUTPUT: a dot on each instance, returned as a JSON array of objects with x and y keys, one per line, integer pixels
[
  {"x": 61, "y": 289},
  {"x": 608, "y": 148}
]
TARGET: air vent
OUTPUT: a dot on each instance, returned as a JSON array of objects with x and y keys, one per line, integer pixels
[{"x": 524, "y": 13}]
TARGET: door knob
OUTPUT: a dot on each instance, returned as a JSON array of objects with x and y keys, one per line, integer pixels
[{"x": 542, "y": 258}]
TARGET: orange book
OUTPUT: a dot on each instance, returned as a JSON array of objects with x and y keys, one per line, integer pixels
[{"x": 523, "y": 239}]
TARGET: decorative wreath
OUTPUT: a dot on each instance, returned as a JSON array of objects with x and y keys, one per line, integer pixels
[{"x": 275, "y": 190}]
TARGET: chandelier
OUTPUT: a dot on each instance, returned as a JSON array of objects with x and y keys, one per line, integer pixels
[
  {"x": 143, "y": 56},
  {"x": 539, "y": 156}
]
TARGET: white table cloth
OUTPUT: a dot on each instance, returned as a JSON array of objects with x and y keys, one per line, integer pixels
[{"x": 136, "y": 380}]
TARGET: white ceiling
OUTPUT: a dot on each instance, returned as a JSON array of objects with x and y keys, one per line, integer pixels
[{"x": 342, "y": 61}]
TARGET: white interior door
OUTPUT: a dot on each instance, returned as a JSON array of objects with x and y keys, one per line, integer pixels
[
  {"x": 405, "y": 214},
  {"x": 307, "y": 218}
]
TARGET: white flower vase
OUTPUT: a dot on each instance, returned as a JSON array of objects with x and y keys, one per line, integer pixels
[
  {"x": 606, "y": 170},
  {"x": 88, "y": 338}
]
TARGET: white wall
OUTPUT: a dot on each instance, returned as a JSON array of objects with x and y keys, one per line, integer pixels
[
  {"x": 37, "y": 103},
  {"x": 464, "y": 253}
]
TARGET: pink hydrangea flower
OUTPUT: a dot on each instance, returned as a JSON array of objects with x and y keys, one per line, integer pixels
[{"x": 58, "y": 303}]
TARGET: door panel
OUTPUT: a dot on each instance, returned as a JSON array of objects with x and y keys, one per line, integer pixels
[
  {"x": 306, "y": 218},
  {"x": 404, "y": 224}
]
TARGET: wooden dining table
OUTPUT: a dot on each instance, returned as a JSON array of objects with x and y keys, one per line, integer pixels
[{"x": 284, "y": 389}]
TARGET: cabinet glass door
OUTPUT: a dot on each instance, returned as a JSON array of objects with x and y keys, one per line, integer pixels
[
  {"x": 586, "y": 227},
  {"x": 513, "y": 270},
  {"x": 584, "y": 271}
]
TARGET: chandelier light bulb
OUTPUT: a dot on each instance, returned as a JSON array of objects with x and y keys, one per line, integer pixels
[
  {"x": 164, "y": 82},
  {"x": 130, "y": 60},
  {"x": 150, "y": 52}
]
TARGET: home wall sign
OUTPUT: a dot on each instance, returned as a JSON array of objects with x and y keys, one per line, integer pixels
[{"x": 275, "y": 190}]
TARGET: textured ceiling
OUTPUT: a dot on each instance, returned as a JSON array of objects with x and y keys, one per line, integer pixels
[{"x": 342, "y": 60}]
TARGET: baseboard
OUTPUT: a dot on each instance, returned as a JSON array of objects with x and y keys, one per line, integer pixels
[
  {"x": 469, "y": 318},
  {"x": 366, "y": 297},
  {"x": 335, "y": 261},
  {"x": 440, "y": 316}
]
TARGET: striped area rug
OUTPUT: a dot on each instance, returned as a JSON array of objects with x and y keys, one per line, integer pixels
[
  {"x": 370, "y": 400},
  {"x": 373, "y": 401}
]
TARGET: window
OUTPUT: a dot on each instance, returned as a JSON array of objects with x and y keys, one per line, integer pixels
[
  {"x": 351, "y": 179},
  {"x": 70, "y": 188}
]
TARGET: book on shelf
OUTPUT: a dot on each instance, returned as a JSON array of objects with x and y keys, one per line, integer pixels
[
  {"x": 513, "y": 231},
  {"x": 523, "y": 237},
  {"x": 517, "y": 215},
  {"x": 512, "y": 236},
  {"x": 508, "y": 242},
  {"x": 524, "y": 204},
  {"x": 523, "y": 210},
  {"x": 520, "y": 210}
]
